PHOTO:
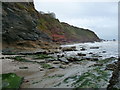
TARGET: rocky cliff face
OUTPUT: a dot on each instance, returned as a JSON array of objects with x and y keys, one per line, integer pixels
[
  {"x": 23, "y": 26},
  {"x": 115, "y": 79},
  {"x": 19, "y": 22},
  {"x": 62, "y": 32}
]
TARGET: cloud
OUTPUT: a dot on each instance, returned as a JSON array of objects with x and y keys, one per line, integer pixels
[
  {"x": 107, "y": 30},
  {"x": 76, "y": 0},
  {"x": 100, "y": 17}
]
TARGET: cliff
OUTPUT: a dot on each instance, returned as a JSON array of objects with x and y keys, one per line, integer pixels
[
  {"x": 23, "y": 26},
  {"x": 62, "y": 32},
  {"x": 19, "y": 22}
]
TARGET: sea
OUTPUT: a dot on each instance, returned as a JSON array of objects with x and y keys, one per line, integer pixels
[{"x": 105, "y": 49}]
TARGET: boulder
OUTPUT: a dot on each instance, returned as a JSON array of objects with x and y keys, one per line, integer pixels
[
  {"x": 80, "y": 54},
  {"x": 41, "y": 69},
  {"x": 90, "y": 53},
  {"x": 97, "y": 64},
  {"x": 103, "y": 51},
  {"x": 23, "y": 67},
  {"x": 94, "y": 47},
  {"x": 63, "y": 66},
  {"x": 63, "y": 59},
  {"x": 82, "y": 49},
  {"x": 60, "y": 56},
  {"x": 95, "y": 55},
  {"x": 50, "y": 59},
  {"x": 41, "y": 61},
  {"x": 72, "y": 59},
  {"x": 111, "y": 67},
  {"x": 90, "y": 59},
  {"x": 94, "y": 59},
  {"x": 56, "y": 62},
  {"x": 69, "y": 49},
  {"x": 87, "y": 58}
]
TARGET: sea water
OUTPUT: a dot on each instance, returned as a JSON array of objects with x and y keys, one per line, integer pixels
[{"x": 105, "y": 49}]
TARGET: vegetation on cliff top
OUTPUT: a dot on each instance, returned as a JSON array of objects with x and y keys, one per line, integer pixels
[{"x": 63, "y": 32}]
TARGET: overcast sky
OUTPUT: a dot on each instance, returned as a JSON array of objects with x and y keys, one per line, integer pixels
[{"x": 100, "y": 17}]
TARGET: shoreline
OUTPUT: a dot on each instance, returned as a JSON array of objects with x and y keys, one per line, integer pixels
[{"x": 39, "y": 66}]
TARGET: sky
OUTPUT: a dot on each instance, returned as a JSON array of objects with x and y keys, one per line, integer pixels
[{"x": 100, "y": 17}]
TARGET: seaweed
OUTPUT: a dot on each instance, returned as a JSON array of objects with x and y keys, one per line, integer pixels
[{"x": 11, "y": 80}]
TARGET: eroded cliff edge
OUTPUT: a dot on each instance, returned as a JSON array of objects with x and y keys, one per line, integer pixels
[{"x": 23, "y": 27}]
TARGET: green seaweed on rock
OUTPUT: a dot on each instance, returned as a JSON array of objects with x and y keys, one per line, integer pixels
[
  {"x": 11, "y": 81},
  {"x": 19, "y": 58},
  {"x": 46, "y": 66},
  {"x": 41, "y": 56}
]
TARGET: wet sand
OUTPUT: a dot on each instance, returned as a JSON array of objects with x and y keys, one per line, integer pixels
[{"x": 34, "y": 78}]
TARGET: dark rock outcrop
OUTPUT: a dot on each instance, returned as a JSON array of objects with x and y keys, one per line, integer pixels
[
  {"x": 19, "y": 22},
  {"x": 69, "y": 49},
  {"x": 115, "y": 79}
]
